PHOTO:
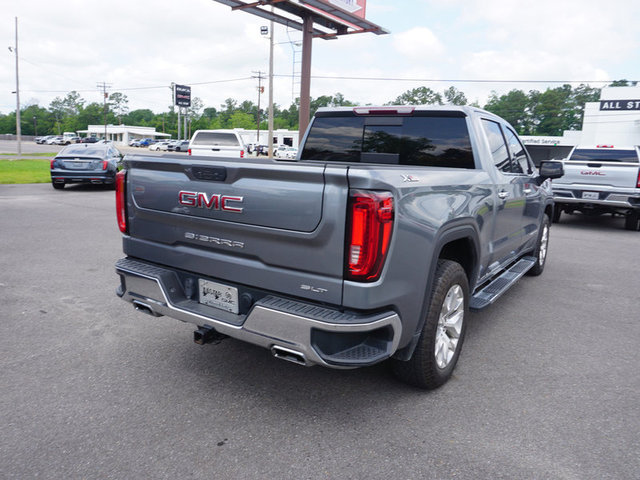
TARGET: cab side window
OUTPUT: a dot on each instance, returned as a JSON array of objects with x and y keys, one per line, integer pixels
[
  {"x": 497, "y": 145},
  {"x": 518, "y": 153}
]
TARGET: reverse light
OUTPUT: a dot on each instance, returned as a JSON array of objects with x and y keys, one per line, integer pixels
[
  {"x": 369, "y": 227},
  {"x": 121, "y": 204}
]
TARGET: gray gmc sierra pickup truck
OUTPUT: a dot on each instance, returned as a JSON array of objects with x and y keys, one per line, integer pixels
[{"x": 372, "y": 244}]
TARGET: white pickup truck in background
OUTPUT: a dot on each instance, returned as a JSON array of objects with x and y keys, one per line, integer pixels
[{"x": 600, "y": 179}]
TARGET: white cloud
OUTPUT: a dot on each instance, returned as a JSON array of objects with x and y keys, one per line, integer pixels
[{"x": 418, "y": 43}]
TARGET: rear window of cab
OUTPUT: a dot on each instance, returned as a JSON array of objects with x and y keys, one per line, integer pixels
[
  {"x": 216, "y": 138},
  {"x": 440, "y": 140},
  {"x": 604, "y": 155}
]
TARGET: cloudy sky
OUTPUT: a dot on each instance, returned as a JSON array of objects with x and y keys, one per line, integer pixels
[{"x": 139, "y": 47}]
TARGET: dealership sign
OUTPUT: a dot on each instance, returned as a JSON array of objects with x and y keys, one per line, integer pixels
[
  {"x": 619, "y": 104},
  {"x": 182, "y": 96}
]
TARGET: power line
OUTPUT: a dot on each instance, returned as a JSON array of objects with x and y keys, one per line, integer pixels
[{"x": 449, "y": 80}]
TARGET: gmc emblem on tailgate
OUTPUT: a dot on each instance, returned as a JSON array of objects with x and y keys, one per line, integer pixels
[{"x": 213, "y": 202}]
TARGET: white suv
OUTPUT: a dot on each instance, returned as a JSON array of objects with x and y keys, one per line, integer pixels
[{"x": 217, "y": 143}]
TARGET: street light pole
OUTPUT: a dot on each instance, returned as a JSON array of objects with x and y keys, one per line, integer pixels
[
  {"x": 18, "y": 129},
  {"x": 270, "y": 143}
]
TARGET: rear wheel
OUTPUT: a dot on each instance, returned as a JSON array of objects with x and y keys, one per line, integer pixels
[
  {"x": 438, "y": 349},
  {"x": 58, "y": 186},
  {"x": 632, "y": 221}
]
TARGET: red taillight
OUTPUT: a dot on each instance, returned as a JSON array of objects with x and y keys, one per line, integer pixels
[
  {"x": 241, "y": 153},
  {"x": 638, "y": 183},
  {"x": 121, "y": 203},
  {"x": 189, "y": 151},
  {"x": 53, "y": 164},
  {"x": 369, "y": 228},
  {"x": 104, "y": 164}
]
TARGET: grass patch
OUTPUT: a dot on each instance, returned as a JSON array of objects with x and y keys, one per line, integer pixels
[
  {"x": 25, "y": 171},
  {"x": 39, "y": 154}
]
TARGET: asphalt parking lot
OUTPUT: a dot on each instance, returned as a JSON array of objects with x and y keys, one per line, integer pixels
[{"x": 547, "y": 386}]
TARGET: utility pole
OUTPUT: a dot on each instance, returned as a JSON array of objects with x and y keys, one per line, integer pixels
[
  {"x": 105, "y": 95},
  {"x": 17, "y": 92},
  {"x": 260, "y": 90},
  {"x": 271, "y": 88}
]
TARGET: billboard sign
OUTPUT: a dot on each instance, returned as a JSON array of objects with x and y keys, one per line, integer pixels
[
  {"x": 354, "y": 7},
  {"x": 182, "y": 96}
]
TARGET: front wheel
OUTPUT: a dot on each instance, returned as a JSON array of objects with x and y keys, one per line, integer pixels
[
  {"x": 438, "y": 349},
  {"x": 542, "y": 248},
  {"x": 57, "y": 186}
]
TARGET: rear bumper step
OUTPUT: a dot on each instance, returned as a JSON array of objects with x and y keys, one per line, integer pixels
[{"x": 301, "y": 332}]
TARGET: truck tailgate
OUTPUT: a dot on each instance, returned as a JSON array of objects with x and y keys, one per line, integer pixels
[
  {"x": 602, "y": 174},
  {"x": 249, "y": 222}
]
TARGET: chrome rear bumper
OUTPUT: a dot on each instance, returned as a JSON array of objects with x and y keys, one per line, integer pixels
[{"x": 318, "y": 334}]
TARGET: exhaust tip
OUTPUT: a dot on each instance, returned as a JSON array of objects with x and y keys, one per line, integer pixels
[{"x": 289, "y": 355}]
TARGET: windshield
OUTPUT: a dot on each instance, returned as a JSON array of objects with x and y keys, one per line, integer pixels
[
  {"x": 82, "y": 150},
  {"x": 216, "y": 138}
]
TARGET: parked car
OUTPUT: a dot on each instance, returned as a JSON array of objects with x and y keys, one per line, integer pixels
[
  {"x": 182, "y": 146},
  {"x": 132, "y": 141},
  {"x": 174, "y": 144},
  {"x": 44, "y": 139},
  {"x": 600, "y": 179},
  {"x": 89, "y": 140},
  {"x": 54, "y": 140},
  {"x": 154, "y": 147},
  {"x": 145, "y": 142},
  {"x": 96, "y": 164}
]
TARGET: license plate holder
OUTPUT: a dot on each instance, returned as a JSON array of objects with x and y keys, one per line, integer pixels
[
  {"x": 218, "y": 295},
  {"x": 590, "y": 195}
]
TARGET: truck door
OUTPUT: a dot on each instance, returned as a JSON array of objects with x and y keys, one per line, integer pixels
[
  {"x": 528, "y": 190},
  {"x": 510, "y": 198}
]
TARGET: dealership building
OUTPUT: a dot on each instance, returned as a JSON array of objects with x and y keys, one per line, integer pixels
[{"x": 613, "y": 120}]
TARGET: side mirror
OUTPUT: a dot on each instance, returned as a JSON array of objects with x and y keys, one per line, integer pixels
[{"x": 550, "y": 169}]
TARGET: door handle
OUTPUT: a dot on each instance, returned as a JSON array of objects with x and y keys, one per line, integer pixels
[{"x": 503, "y": 195}]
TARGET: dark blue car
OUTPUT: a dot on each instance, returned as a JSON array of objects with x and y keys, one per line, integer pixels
[{"x": 85, "y": 163}]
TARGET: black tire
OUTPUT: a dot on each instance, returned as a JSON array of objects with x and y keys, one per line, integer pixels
[
  {"x": 542, "y": 248},
  {"x": 58, "y": 186},
  {"x": 423, "y": 369},
  {"x": 632, "y": 221},
  {"x": 557, "y": 211}
]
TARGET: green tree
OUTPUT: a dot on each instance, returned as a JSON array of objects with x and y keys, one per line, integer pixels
[
  {"x": 119, "y": 104},
  {"x": 455, "y": 96},
  {"x": 418, "y": 96},
  {"x": 514, "y": 107}
]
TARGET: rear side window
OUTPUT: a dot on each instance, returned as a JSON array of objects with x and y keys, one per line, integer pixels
[
  {"x": 497, "y": 145},
  {"x": 216, "y": 138},
  {"x": 604, "y": 155},
  {"x": 435, "y": 141}
]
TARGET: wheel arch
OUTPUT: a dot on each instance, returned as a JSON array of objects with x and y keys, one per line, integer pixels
[{"x": 458, "y": 241}]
